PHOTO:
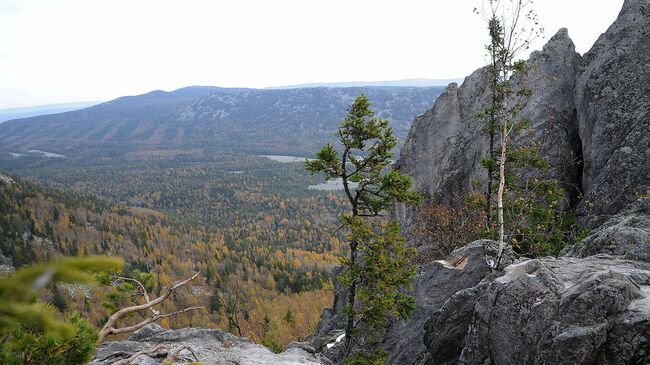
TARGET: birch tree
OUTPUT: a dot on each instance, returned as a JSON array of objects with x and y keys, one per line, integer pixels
[{"x": 512, "y": 26}]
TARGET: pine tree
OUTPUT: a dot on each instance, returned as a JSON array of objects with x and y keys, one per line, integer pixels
[
  {"x": 378, "y": 265},
  {"x": 288, "y": 317}
]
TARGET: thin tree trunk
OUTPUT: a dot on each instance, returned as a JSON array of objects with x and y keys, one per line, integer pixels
[
  {"x": 502, "y": 183},
  {"x": 492, "y": 155},
  {"x": 353, "y": 254},
  {"x": 238, "y": 327},
  {"x": 350, "y": 325},
  {"x": 492, "y": 131},
  {"x": 502, "y": 169},
  {"x": 351, "y": 298},
  {"x": 488, "y": 195}
]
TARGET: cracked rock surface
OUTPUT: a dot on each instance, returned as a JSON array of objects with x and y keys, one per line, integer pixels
[{"x": 211, "y": 347}]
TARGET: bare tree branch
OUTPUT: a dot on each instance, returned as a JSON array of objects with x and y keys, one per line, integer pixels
[
  {"x": 171, "y": 358},
  {"x": 144, "y": 290},
  {"x": 109, "y": 327},
  {"x": 155, "y": 351}
]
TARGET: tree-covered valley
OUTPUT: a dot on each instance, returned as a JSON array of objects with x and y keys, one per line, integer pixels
[
  {"x": 41, "y": 223},
  {"x": 251, "y": 225}
]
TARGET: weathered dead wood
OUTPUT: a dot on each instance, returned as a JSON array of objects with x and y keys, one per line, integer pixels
[
  {"x": 174, "y": 355},
  {"x": 110, "y": 326},
  {"x": 158, "y": 350}
]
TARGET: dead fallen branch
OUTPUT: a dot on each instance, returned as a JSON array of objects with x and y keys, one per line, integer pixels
[
  {"x": 156, "y": 351},
  {"x": 110, "y": 326}
]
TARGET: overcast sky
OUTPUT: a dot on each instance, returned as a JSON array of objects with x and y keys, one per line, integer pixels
[{"x": 55, "y": 51}]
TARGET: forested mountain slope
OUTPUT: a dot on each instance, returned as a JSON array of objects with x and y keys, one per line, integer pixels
[
  {"x": 38, "y": 223},
  {"x": 291, "y": 121}
]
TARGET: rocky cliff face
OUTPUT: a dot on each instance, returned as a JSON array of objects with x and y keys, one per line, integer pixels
[
  {"x": 590, "y": 116},
  {"x": 591, "y": 305},
  {"x": 445, "y": 145},
  {"x": 437, "y": 283},
  {"x": 626, "y": 234},
  {"x": 563, "y": 310},
  {"x": 613, "y": 105}
]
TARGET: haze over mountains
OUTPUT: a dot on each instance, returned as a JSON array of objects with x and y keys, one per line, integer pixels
[
  {"x": 289, "y": 121},
  {"x": 32, "y": 111},
  {"x": 391, "y": 83}
]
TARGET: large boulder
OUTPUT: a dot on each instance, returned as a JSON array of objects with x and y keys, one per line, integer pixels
[
  {"x": 434, "y": 284},
  {"x": 207, "y": 346},
  {"x": 589, "y": 306},
  {"x": 594, "y": 310},
  {"x": 613, "y": 104},
  {"x": 626, "y": 234},
  {"x": 444, "y": 331}
]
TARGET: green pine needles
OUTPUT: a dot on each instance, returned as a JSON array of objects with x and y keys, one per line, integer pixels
[
  {"x": 30, "y": 330},
  {"x": 378, "y": 269},
  {"x": 26, "y": 345}
]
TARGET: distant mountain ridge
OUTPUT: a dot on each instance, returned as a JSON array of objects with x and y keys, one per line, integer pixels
[
  {"x": 389, "y": 83},
  {"x": 33, "y": 111},
  {"x": 286, "y": 121}
]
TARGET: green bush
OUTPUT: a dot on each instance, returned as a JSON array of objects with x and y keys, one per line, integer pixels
[
  {"x": 376, "y": 357},
  {"x": 24, "y": 345},
  {"x": 272, "y": 345}
]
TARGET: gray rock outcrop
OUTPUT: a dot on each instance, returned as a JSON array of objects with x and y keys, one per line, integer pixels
[
  {"x": 207, "y": 346},
  {"x": 626, "y": 234},
  {"x": 613, "y": 107},
  {"x": 567, "y": 310},
  {"x": 6, "y": 265},
  {"x": 6, "y": 180},
  {"x": 563, "y": 311},
  {"x": 435, "y": 283},
  {"x": 444, "y": 148},
  {"x": 589, "y": 116},
  {"x": 591, "y": 305},
  {"x": 444, "y": 331}
]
